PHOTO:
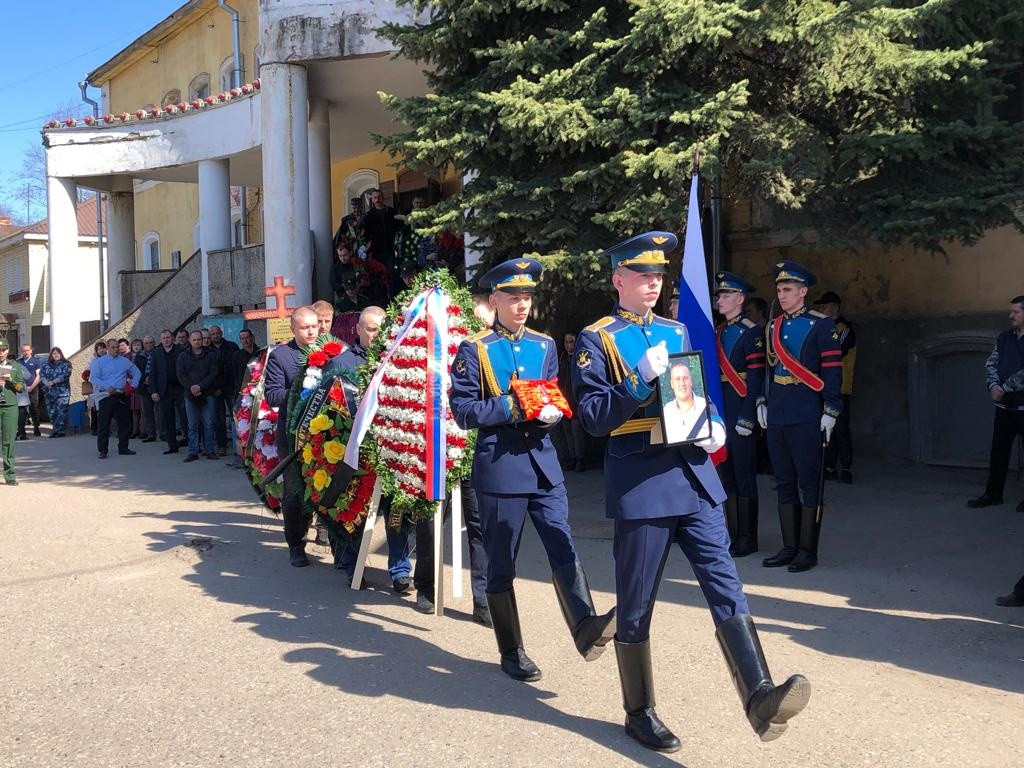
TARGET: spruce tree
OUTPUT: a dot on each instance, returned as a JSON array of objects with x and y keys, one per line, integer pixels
[{"x": 875, "y": 121}]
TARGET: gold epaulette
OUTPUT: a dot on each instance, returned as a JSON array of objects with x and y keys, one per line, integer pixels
[
  {"x": 487, "y": 377},
  {"x": 479, "y": 335},
  {"x": 617, "y": 368},
  {"x": 604, "y": 321},
  {"x": 816, "y": 313},
  {"x": 748, "y": 323}
]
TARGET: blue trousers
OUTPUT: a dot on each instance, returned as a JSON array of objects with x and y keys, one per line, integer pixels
[
  {"x": 641, "y": 549},
  {"x": 398, "y": 547},
  {"x": 739, "y": 470},
  {"x": 796, "y": 457},
  {"x": 502, "y": 517},
  {"x": 200, "y": 415}
]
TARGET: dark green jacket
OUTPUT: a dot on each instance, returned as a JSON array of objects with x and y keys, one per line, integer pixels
[{"x": 14, "y": 386}]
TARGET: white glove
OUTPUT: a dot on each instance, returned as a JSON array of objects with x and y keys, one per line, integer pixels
[
  {"x": 653, "y": 363},
  {"x": 762, "y": 415},
  {"x": 716, "y": 441},
  {"x": 743, "y": 431},
  {"x": 549, "y": 414},
  {"x": 828, "y": 423}
]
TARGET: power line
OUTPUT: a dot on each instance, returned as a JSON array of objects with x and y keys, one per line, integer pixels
[{"x": 41, "y": 72}]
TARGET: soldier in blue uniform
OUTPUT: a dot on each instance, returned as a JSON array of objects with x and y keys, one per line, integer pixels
[
  {"x": 515, "y": 468},
  {"x": 741, "y": 360},
  {"x": 661, "y": 495},
  {"x": 805, "y": 376}
]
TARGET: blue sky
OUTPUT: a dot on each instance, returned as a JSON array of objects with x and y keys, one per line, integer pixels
[{"x": 48, "y": 48}]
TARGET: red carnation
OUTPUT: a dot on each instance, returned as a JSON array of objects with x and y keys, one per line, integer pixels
[
  {"x": 347, "y": 515},
  {"x": 268, "y": 437},
  {"x": 318, "y": 359},
  {"x": 273, "y": 502},
  {"x": 337, "y": 394},
  {"x": 271, "y": 417},
  {"x": 86, "y": 374},
  {"x": 332, "y": 348}
]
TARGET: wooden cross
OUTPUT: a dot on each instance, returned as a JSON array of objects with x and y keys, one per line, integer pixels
[{"x": 279, "y": 291}]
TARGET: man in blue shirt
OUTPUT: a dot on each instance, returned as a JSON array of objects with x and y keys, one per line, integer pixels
[{"x": 110, "y": 376}]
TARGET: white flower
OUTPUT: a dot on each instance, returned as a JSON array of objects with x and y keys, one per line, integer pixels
[
  {"x": 264, "y": 425},
  {"x": 270, "y": 451},
  {"x": 243, "y": 425},
  {"x": 246, "y": 401}
]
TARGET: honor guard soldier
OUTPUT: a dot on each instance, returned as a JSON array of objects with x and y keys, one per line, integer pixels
[
  {"x": 659, "y": 495},
  {"x": 741, "y": 360},
  {"x": 805, "y": 374},
  {"x": 516, "y": 471}
]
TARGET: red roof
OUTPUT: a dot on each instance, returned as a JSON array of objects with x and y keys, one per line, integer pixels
[{"x": 86, "y": 223}]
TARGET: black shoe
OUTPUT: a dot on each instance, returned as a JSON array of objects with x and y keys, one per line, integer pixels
[
  {"x": 784, "y": 556},
  {"x": 831, "y": 474},
  {"x": 1012, "y": 600},
  {"x": 103, "y": 455},
  {"x": 424, "y": 604},
  {"x": 505, "y": 617},
  {"x": 402, "y": 584},
  {"x": 985, "y": 500},
  {"x": 804, "y": 561},
  {"x": 20, "y": 437},
  {"x": 11, "y": 481},
  {"x": 149, "y": 439},
  {"x": 125, "y": 452},
  {"x": 768, "y": 707},
  {"x": 637, "y": 679},
  {"x": 1020, "y": 507},
  {"x": 191, "y": 457},
  {"x": 170, "y": 450},
  {"x": 846, "y": 477},
  {"x": 590, "y": 632},
  {"x": 297, "y": 557},
  {"x": 212, "y": 456},
  {"x": 581, "y": 467},
  {"x": 482, "y": 614},
  {"x": 36, "y": 432}
]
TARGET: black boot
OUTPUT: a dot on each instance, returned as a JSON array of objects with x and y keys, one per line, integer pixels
[
  {"x": 746, "y": 514},
  {"x": 731, "y": 521},
  {"x": 505, "y": 616},
  {"x": 637, "y": 679},
  {"x": 590, "y": 632},
  {"x": 807, "y": 556},
  {"x": 789, "y": 519},
  {"x": 768, "y": 707}
]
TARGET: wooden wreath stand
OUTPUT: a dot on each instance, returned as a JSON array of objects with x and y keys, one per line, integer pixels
[{"x": 456, "y": 507}]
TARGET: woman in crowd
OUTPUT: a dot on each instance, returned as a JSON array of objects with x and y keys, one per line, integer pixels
[
  {"x": 55, "y": 378},
  {"x": 135, "y": 401}
]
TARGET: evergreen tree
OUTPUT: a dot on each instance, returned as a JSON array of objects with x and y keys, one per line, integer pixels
[{"x": 877, "y": 120}]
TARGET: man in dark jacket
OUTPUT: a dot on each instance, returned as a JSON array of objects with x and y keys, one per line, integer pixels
[
  {"x": 1004, "y": 374},
  {"x": 282, "y": 367},
  {"x": 225, "y": 388},
  {"x": 380, "y": 226},
  {"x": 198, "y": 372},
  {"x": 166, "y": 391}
]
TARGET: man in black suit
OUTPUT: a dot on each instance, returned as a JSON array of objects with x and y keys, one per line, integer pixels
[
  {"x": 224, "y": 390},
  {"x": 165, "y": 389}
]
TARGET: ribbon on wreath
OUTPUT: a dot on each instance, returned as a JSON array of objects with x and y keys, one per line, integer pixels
[
  {"x": 368, "y": 407},
  {"x": 434, "y": 427}
]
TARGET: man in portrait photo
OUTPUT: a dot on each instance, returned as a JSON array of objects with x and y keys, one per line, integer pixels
[{"x": 686, "y": 414}]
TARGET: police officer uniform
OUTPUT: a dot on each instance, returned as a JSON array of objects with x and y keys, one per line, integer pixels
[
  {"x": 741, "y": 359},
  {"x": 516, "y": 473},
  {"x": 806, "y": 372},
  {"x": 659, "y": 495}
]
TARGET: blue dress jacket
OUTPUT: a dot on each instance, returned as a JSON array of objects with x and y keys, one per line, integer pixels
[
  {"x": 282, "y": 366},
  {"x": 513, "y": 456},
  {"x": 742, "y": 342},
  {"x": 642, "y": 481},
  {"x": 813, "y": 340}
]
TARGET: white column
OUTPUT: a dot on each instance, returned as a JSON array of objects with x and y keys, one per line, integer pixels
[
  {"x": 67, "y": 304},
  {"x": 320, "y": 194},
  {"x": 286, "y": 239},
  {"x": 120, "y": 246},
  {"x": 214, "y": 219}
]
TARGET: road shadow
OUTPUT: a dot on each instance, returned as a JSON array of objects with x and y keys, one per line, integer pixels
[{"x": 346, "y": 642}]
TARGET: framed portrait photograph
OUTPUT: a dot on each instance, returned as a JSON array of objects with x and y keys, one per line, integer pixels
[{"x": 682, "y": 390}]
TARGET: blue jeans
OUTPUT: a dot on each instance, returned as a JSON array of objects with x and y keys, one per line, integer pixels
[
  {"x": 196, "y": 411},
  {"x": 398, "y": 548}
]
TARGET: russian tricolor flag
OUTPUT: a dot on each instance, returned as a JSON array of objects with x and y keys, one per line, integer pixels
[{"x": 695, "y": 304}]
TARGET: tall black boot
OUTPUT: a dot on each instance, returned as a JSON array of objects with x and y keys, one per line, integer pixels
[
  {"x": 746, "y": 514},
  {"x": 768, "y": 707},
  {"x": 731, "y": 521},
  {"x": 505, "y": 616},
  {"x": 637, "y": 679},
  {"x": 807, "y": 556},
  {"x": 590, "y": 632},
  {"x": 789, "y": 520}
]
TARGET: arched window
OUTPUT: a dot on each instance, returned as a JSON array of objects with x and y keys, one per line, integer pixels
[
  {"x": 199, "y": 88},
  {"x": 227, "y": 69},
  {"x": 173, "y": 96},
  {"x": 151, "y": 251},
  {"x": 359, "y": 184}
]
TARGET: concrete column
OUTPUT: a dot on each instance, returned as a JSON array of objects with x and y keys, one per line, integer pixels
[
  {"x": 68, "y": 307},
  {"x": 120, "y": 247},
  {"x": 286, "y": 239},
  {"x": 320, "y": 216},
  {"x": 214, "y": 219}
]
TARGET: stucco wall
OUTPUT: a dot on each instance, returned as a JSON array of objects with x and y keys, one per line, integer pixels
[{"x": 171, "y": 210}]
